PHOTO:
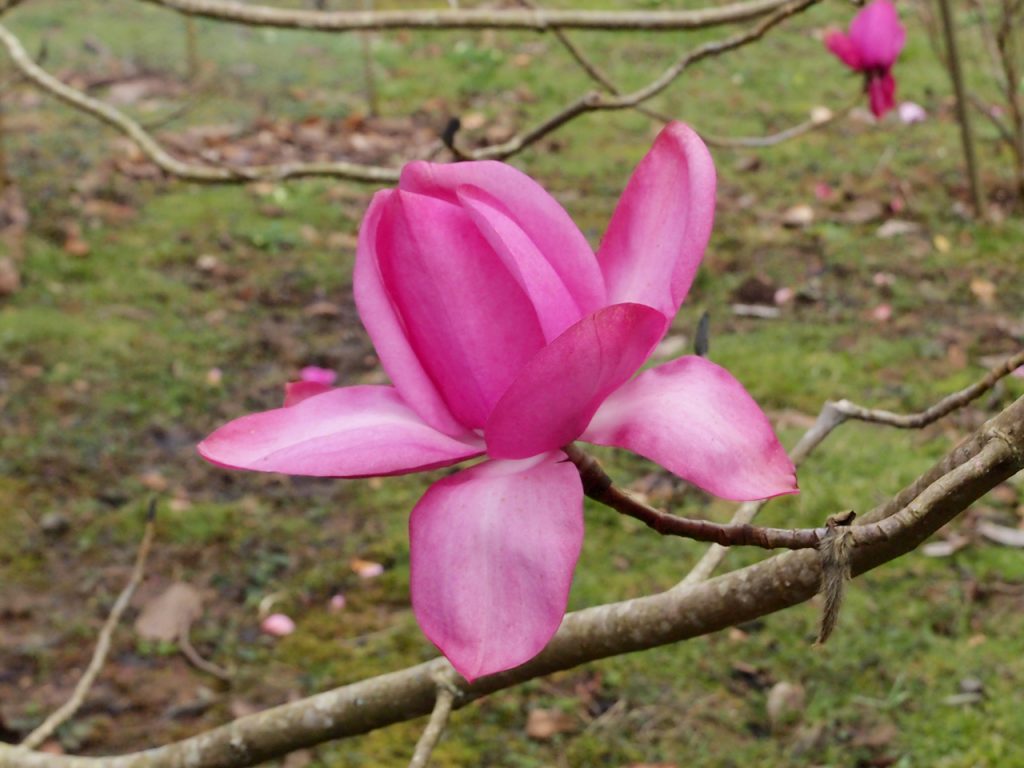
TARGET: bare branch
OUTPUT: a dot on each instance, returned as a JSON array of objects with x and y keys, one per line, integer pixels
[
  {"x": 169, "y": 164},
  {"x": 595, "y": 73},
  {"x": 435, "y": 727},
  {"x": 942, "y": 408},
  {"x": 470, "y": 18},
  {"x": 774, "y": 139},
  {"x": 831, "y": 416},
  {"x": 986, "y": 458},
  {"x": 595, "y": 101},
  {"x": 195, "y": 658},
  {"x": 99, "y": 656}
]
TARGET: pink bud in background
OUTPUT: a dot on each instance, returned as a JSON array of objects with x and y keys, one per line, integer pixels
[
  {"x": 318, "y": 375},
  {"x": 312, "y": 381},
  {"x": 1019, "y": 372},
  {"x": 278, "y": 625},
  {"x": 872, "y": 46}
]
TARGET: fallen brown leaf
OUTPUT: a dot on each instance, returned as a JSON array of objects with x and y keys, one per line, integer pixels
[
  {"x": 544, "y": 724},
  {"x": 170, "y": 614}
]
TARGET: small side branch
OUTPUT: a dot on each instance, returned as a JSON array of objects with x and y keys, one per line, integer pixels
[
  {"x": 831, "y": 416},
  {"x": 944, "y": 407},
  {"x": 99, "y": 656},
  {"x": 595, "y": 101},
  {"x": 774, "y": 139},
  {"x": 165, "y": 161},
  {"x": 435, "y": 727}
]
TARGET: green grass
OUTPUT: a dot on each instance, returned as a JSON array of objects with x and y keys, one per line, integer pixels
[{"x": 109, "y": 375}]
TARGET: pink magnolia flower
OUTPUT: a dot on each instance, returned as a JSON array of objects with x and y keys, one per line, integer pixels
[
  {"x": 874, "y": 43},
  {"x": 506, "y": 337}
]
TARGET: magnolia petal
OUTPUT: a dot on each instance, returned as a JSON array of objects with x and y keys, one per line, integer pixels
[
  {"x": 384, "y": 326},
  {"x": 660, "y": 228},
  {"x": 877, "y": 34},
  {"x": 346, "y": 432},
  {"x": 696, "y": 420},
  {"x": 842, "y": 46},
  {"x": 472, "y": 326},
  {"x": 530, "y": 206},
  {"x": 492, "y": 553},
  {"x": 882, "y": 93},
  {"x": 554, "y": 397},
  {"x": 555, "y": 307}
]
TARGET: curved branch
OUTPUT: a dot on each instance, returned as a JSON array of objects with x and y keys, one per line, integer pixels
[
  {"x": 99, "y": 656},
  {"x": 988, "y": 457},
  {"x": 470, "y": 18},
  {"x": 942, "y": 408},
  {"x": 774, "y": 139},
  {"x": 595, "y": 101},
  {"x": 166, "y": 162},
  {"x": 831, "y": 416}
]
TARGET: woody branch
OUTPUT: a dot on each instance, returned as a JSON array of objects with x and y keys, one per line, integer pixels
[{"x": 983, "y": 460}]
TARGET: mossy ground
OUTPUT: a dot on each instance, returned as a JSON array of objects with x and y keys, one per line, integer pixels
[{"x": 106, "y": 385}]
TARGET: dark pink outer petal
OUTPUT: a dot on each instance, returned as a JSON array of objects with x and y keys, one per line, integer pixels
[
  {"x": 877, "y": 34},
  {"x": 536, "y": 212},
  {"x": 557, "y": 393},
  {"x": 660, "y": 228},
  {"x": 384, "y": 326},
  {"x": 470, "y": 324},
  {"x": 692, "y": 417},
  {"x": 842, "y": 46},
  {"x": 347, "y": 432},
  {"x": 555, "y": 307},
  {"x": 492, "y": 553},
  {"x": 882, "y": 93}
]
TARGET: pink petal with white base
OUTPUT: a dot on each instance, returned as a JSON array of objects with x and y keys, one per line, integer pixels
[
  {"x": 660, "y": 228},
  {"x": 347, "y": 432},
  {"x": 554, "y": 397},
  {"x": 468, "y": 320},
  {"x": 384, "y": 326},
  {"x": 492, "y": 553},
  {"x": 532, "y": 208},
  {"x": 693, "y": 418}
]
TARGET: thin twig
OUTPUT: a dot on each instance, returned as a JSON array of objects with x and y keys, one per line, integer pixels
[
  {"x": 369, "y": 73},
  {"x": 774, "y": 139},
  {"x": 166, "y": 162},
  {"x": 942, "y": 408},
  {"x": 196, "y": 660},
  {"x": 986, "y": 458},
  {"x": 469, "y": 18},
  {"x": 986, "y": 111},
  {"x": 435, "y": 727},
  {"x": 595, "y": 101},
  {"x": 67, "y": 710},
  {"x": 831, "y": 416},
  {"x": 595, "y": 73},
  {"x": 963, "y": 114}
]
